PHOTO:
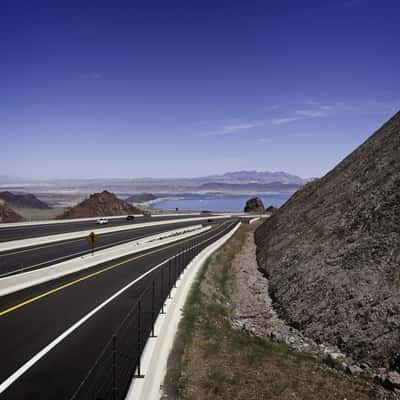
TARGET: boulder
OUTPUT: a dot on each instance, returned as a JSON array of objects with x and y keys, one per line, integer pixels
[{"x": 254, "y": 204}]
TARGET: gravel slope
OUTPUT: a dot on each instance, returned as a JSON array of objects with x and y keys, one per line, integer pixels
[{"x": 332, "y": 253}]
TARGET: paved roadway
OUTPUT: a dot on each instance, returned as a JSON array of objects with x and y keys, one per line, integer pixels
[
  {"x": 33, "y": 318},
  {"x": 27, "y": 259},
  {"x": 30, "y": 231}
]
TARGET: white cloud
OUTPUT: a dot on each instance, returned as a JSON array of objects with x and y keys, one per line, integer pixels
[
  {"x": 265, "y": 140},
  {"x": 233, "y": 128},
  {"x": 93, "y": 76},
  {"x": 327, "y": 107},
  {"x": 280, "y": 121},
  {"x": 301, "y": 135},
  {"x": 310, "y": 113},
  {"x": 315, "y": 111}
]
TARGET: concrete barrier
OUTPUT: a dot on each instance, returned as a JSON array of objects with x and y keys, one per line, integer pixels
[
  {"x": 67, "y": 221},
  {"x": 21, "y": 243},
  {"x": 24, "y": 280},
  {"x": 155, "y": 354}
]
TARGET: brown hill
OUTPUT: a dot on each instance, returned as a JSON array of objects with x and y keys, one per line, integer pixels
[
  {"x": 101, "y": 205},
  {"x": 23, "y": 200},
  {"x": 7, "y": 214},
  {"x": 332, "y": 253}
]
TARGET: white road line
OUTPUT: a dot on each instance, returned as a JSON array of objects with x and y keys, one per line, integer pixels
[
  {"x": 29, "y": 364},
  {"x": 76, "y": 254}
]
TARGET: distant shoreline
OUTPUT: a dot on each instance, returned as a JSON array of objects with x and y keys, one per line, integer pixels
[{"x": 158, "y": 200}]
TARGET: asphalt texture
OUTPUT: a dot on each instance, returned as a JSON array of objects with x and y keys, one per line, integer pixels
[
  {"x": 31, "y": 319},
  {"x": 27, "y": 259},
  {"x": 37, "y": 230}
]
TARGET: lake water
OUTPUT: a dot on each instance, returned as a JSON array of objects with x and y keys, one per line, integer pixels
[{"x": 230, "y": 203}]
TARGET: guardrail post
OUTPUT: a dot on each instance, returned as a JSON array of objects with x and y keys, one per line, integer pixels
[
  {"x": 162, "y": 290},
  {"x": 153, "y": 299},
  {"x": 139, "y": 340},
  {"x": 175, "y": 269},
  {"x": 180, "y": 263},
  {"x": 169, "y": 279},
  {"x": 114, "y": 367}
]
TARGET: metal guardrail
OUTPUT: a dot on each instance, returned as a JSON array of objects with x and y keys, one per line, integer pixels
[{"x": 118, "y": 363}]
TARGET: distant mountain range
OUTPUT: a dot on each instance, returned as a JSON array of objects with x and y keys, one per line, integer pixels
[
  {"x": 238, "y": 177},
  {"x": 250, "y": 187},
  {"x": 238, "y": 181}
]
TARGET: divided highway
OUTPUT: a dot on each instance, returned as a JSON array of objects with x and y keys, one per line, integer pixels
[
  {"x": 37, "y": 230},
  {"x": 51, "y": 334},
  {"x": 28, "y": 259}
]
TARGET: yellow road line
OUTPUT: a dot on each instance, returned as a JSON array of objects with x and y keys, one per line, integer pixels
[
  {"x": 83, "y": 278},
  {"x": 34, "y": 248}
]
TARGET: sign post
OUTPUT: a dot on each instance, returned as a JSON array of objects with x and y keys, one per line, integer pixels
[{"x": 92, "y": 240}]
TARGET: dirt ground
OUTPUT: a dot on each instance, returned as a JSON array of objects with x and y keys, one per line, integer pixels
[{"x": 232, "y": 345}]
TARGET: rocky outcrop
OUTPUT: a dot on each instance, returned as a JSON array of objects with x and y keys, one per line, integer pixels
[
  {"x": 101, "y": 205},
  {"x": 7, "y": 214},
  {"x": 254, "y": 204},
  {"x": 141, "y": 197},
  {"x": 332, "y": 253},
  {"x": 23, "y": 200}
]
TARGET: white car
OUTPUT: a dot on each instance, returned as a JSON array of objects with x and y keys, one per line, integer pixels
[{"x": 102, "y": 221}]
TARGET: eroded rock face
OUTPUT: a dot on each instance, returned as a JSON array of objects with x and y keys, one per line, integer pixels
[
  {"x": 254, "y": 204},
  {"x": 101, "y": 205},
  {"x": 332, "y": 253},
  {"x": 7, "y": 214}
]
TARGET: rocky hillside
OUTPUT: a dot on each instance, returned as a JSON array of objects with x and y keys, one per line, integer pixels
[
  {"x": 101, "y": 205},
  {"x": 23, "y": 200},
  {"x": 7, "y": 214},
  {"x": 332, "y": 253}
]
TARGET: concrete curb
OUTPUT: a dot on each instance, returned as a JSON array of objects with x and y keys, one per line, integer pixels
[
  {"x": 66, "y": 221},
  {"x": 21, "y": 243},
  {"x": 254, "y": 220},
  {"x": 58, "y": 221},
  {"x": 24, "y": 280},
  {"x": 156, "y": 352}
]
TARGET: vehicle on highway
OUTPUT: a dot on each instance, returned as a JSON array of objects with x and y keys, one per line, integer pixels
[
  {"x": 130, "y": 217},
  {"x": 147, "y": 213},
  {"x": 102, "y": 221}
]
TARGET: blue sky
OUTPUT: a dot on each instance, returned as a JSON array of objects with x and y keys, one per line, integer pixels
[{"x": 190, "y": 88}]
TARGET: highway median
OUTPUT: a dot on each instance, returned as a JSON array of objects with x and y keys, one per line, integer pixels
[
  {"x": 35, "y": 241},
  {"x": 24, "y": 280}
]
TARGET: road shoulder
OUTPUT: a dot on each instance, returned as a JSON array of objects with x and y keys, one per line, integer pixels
[{"x": 221, "y": 353}]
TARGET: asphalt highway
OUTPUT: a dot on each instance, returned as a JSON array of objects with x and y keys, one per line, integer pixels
[
  {"x": 51, "y": 334},
  {"x": 27, "y": 259},
  {"x": 30, "y": 231}
]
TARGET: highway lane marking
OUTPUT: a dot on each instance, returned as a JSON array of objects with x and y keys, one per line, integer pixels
[
  {"x": 30, "y": 363},
  {"x": 61, "y": 243},
  {"x": 69, "y": 255},
  {"x": 80, "y": 253},
  {"x": 60, "y": 224},
  {"x": 83, "y": 278}
]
